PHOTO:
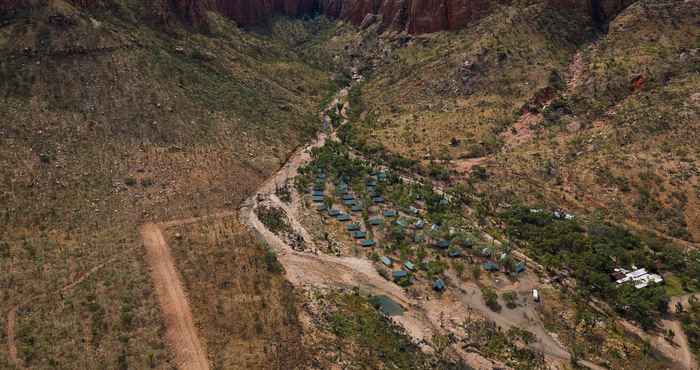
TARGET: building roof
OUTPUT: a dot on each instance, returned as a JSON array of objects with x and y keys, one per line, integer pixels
[
  {"x": 378, "y": 199},
  {"x": 317, "y": 198},
  {"x": 356, "y": 208},
  {"x": 367, "y": 242},
  {"x": 343, "y": 217},
  {"x": 454, "y": 253},
  {"x": 409, "y": 265},
  {"x": 490, "y": 266},
  {"x": 333, "y": 212},
  {"x": 359, "y": 234},
  {"x": 439, "y": 285},
  {"x": 390, "y": 213},
  {"x": 321, "y": 207},
  {"x": 398, "y": 274},
  {"x": 375, "y": 221},
  {"x": 353, "y": 227},
  {"x": 348, "y": 197},
  {"x": 318, "y": 193},
  {"x": 640, "y": 277},
  {"x": 443, "y": 243},
  {"x": 385, "y": 260}
]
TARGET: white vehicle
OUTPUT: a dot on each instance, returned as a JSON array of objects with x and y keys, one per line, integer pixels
[{"x": 535, "y": 295}]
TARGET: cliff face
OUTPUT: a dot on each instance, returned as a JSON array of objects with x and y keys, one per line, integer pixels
[{"x": 414, "y": 16}]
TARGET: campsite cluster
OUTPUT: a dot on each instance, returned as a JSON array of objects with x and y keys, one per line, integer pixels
[{"x": 408, "y": 229}]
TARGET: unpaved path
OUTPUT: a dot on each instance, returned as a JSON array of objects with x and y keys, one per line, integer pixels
[
  {"x": 677, "y": 350},
  {"x": 423, "y": 318},
  {"x": 11, "y": 344},
  {"x": 180, "y": 330}
]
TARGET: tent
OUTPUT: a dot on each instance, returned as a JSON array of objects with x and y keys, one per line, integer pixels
[
  {"x": 367, "y": 243},
  {"x": 439, "y": 285}
]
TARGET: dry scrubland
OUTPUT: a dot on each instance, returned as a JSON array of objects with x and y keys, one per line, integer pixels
[
  {"x": 557, "y": 111},
  {"x": 244, "y": 308},
  {"x": 107, "y": 121}
]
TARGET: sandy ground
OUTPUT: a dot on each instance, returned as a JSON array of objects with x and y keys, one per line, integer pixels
[{"x": 180, "y": 330}]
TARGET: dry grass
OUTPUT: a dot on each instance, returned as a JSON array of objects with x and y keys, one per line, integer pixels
[
  {"x": 245, "y": 309},
  {"x": 112, "y": 122}
]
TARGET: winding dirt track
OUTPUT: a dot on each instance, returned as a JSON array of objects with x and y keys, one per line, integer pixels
[{"x": 180, "y": 330}]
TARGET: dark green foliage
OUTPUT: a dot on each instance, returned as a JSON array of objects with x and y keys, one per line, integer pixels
[
  {"x": 592, "y": 252},
  {"x": 690, "y": 318},
  {"x": 274, "y": 219},
  {"x": 378, "y": 342},
  {"x": 491, "y": 298},
  {"x": 272, "y": 263}
]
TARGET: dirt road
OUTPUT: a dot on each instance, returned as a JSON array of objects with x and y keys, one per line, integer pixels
[
  {"x": 423, "y": 318},
  {"x": 180, "y": 330}
]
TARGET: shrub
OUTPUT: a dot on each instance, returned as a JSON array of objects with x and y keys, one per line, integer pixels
[{"x": 490, "y": 298}]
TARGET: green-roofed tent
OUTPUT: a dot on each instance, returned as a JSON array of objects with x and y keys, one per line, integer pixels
[
  {"x": 386, "y": 261},
  {"x": 399, "y": 274},
  {"x": 438, "y": 285},
  {"x": 367, "y": 242},
  {"x": 390, "y": 213},
  {"x": 454, "y": 253},
  {"x": 359, "y": 234},
  {"x": 343, "y": 217},
  {"x": 353, "y": 227},
  {"x": 317, "y": 199},
  {"x": 443, "y": 244},
  {"x": 490, "y": 266},
  {"x": 376, "y": 221},
  {"x": 409, "y": 266}
]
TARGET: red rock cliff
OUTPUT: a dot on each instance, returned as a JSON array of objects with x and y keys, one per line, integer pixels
[{"x": 414, "y": 16}]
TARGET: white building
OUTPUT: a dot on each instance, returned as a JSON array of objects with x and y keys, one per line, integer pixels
[{"x": 640, "y": 277}]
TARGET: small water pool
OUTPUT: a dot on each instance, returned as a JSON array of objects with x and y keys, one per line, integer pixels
[{"x": 387, "y": 306}]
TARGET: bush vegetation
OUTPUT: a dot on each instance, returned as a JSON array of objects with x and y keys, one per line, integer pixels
[{"x": 591, "y": 251}]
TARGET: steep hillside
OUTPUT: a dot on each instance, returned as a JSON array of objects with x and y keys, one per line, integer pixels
[
  {"x": 110, "y": 118},
  {"x": 546, "y": 106}
]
